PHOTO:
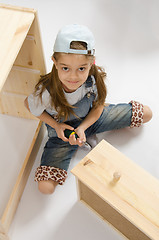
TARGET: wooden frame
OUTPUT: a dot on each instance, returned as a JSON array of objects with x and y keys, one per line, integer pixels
[
  {"x": 22, "y": 63},
  {"x": 119, "y": 191}
]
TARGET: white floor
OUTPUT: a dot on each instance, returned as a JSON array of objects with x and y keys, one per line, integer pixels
[{"x": 127, "y": 44}]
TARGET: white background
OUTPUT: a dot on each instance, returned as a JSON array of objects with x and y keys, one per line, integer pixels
[{"x": 127, "y": 46}]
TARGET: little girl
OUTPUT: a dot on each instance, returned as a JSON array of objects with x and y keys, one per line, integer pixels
[{"x": 72, "y": 96}]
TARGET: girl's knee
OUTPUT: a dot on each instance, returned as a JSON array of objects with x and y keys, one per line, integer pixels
[
  {"x": 47, "y": 187},
  {"x": 147, "y": 114}
]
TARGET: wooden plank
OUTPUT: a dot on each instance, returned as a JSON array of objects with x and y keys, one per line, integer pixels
[
  {"x": 36, "y": 33},
  {"x": 127, "y": 195},
  {"x": 17, "y": 8},
  {"x": 18, "y": 133},
  {"x": 110, "y": 215},
  {"x": 22, "y": 179},
  {"x": 13, "y": 104},
  {"x": 31, "y": 50},
  {"x": 28, "y": 54},
  {"x": 14, "y": 26},
  {"x": 21, "y": 80}
]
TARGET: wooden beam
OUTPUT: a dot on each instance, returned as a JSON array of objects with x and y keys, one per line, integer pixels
[{"x": 22, "y": 179}]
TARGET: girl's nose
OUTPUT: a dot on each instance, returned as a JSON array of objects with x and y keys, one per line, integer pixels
[{"x": 73, "y": 74}]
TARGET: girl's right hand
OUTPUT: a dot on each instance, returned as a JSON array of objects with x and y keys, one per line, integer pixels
[{"x": 60, "y": 128}]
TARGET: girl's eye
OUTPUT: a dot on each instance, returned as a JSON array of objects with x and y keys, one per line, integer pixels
[
  {"x": 65, "y": 69},
  {"x": 81, "y": 69}
]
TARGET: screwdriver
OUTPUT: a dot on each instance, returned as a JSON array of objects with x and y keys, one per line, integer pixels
[{"x": 69, "y": 132}]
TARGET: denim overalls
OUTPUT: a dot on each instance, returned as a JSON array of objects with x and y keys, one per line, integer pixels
[{"x": 57, "y": 153}]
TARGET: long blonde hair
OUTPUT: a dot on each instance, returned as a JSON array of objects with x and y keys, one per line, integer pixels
[{"x": 58, "y": 99}]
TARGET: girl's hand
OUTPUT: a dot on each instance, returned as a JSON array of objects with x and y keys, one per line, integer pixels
[
  {"x": 81, "y": 137},
  {"x": 60, "y": 128}
]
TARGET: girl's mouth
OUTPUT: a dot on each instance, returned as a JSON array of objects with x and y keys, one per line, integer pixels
[{"x": 73, "y": 82}]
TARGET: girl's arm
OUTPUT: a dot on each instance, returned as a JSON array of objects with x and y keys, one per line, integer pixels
[
  {"x": 46, "y": 118},
  {"x": 91, "y": 118}
]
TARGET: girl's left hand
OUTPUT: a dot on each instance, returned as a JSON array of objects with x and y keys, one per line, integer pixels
[{"x": 81, "y": 137}]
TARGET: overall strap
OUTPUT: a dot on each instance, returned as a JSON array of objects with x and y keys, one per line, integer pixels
[{"x": 89, "y": 82}]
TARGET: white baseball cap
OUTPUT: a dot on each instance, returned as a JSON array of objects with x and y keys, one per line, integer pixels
[{"x": 74, "y": 32}]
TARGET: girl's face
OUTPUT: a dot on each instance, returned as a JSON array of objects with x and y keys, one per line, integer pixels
[{"x": 73, "y": 70}]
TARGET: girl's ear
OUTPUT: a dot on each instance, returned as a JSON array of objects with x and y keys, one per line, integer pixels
[{"x": 54, "y": 60}]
